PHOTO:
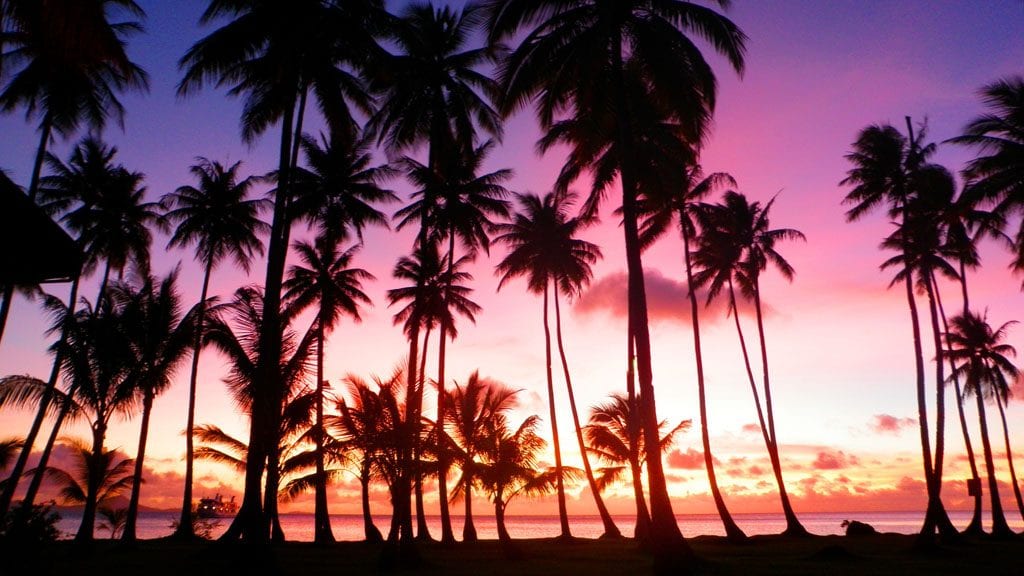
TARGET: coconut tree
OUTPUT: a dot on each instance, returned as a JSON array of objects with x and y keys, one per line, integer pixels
[
  {"x": 327, "y": 281},
  {"x": 102, "y": 477},
  {"x": 473, "y": 408},
  {"x": 677, "y": 200},
  {"x": 996, "y": 176},
  {"x": 160, "y": 337},
  {"x": 570, "y": 63},
  {"x": 66, "y": 80},
  {"x": 982, "y": 361},
  {"x": 543, "y": 247},
  {"x": 219, "y": 219},
  {"x": 433, "y": 92},
  {"x": 886, "y": 168}
]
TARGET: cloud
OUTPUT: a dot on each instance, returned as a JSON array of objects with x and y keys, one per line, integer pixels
[
  {"x": 834, "y": 460},
  {"x": 752, "y": 428},
  {"x": 888, "y": 424},
  {"x": 689, "y": 460},
  {"x": 667, "y": 299}
]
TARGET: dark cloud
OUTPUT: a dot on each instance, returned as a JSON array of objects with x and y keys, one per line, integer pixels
[
  {"x": 667, "y": 299},
  {"x": 834, "y": 460},
  {"x": 888, "y": 424}
]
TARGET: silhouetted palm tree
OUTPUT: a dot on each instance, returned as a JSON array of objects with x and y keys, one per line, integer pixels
[
  {"x": 886, "y": 171},
  {"x": 8, "y": 449},
  {"x": 473, "y": 408},
  {"x": 996, "y": 176},
  {"x": 97, "y": 477},
  {"x": 571, "y": 63},
  {"x": 987, "y": 372},
  {"x": 677, "y": 199},
  {"x": 66, "y": 80},
  {"x": 160, "y": 338},
  {"x": 432, "y": 91},
  {"x": 274, "y": 53},
  {"x": 542, "y": 246},
  {"x": 221, "y": 221},
  {"x": 741, "y": 230},
  {"x": 325, "y": 280}
]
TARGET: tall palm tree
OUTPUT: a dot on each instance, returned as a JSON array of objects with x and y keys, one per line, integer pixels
[
  {"x": 102, "y": 202},
  {"x": 678, "y": 200},
  {"x": 473, "y": 409},
  {"x": 984, "y": 365},
  {"x": 741, "y": 229},
  {"x": 273, "y": 53},
  {"x": 543, "y": 247},
  {"x": 433, "y": 91},
  {"x": 571, "y": 63},
  {"x": 326, "y": 281},
  {"x": 886, "y": 170},
  {"x": 66, "y": 79},
  {"x": 614, "y": 436},
  {"x": 997, "y": 174},
  {"x": 221, "y": 221}
]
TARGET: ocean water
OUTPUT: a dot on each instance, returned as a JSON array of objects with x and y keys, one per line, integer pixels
[{"x": 299, "y": 527}]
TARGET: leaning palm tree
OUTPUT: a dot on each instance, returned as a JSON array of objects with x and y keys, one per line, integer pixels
[
  {"x": 886, "y": 168},
  {"x": 738, "y": 232},
  {"x": 678, "y": 199},
  {"x": 570, "y": 63},
  {"x": 473, "y": 410},
  {"x": 543, "y": 247},
  {"x": 101, "y": 477},
  {"x": 160, "y": 337},
  {"x": 219, "y": 219},
  {"x": 66, "y": 80},
  {"x": 327, "y": 281},
  {"x": 996, "y": 176},
  {"x": 983, "y": 364},
  {"x": 433, "y": 92},
  {"x": 273, "y": 53}
]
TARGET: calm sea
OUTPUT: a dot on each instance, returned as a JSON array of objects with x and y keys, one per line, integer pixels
[{"x": 299, "y": 527}]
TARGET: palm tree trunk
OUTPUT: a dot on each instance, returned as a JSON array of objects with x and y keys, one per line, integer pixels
[
  {"x": 447, "y": 534},
  {"x": 563, "y": 515},
  {"x": 37, "y": 423},
  {"x": 399, "y": 546},
  {"x": 499, "y": 520},
  {"x": 610, "y": 529},
  {"x": 128, "y": 535},
  {"x": 250, "y": 523},
  {"x": 928, "y": 529},
  {"x": 370, "y": 531},
  {"x": 184, "y": 530},
  {"x": 322, "y": 533},
  {"x": 793, "y": 525},
  {"x": 44, "y": 457},
  {"x": 945, "y": 526},
  {"x": 732, "y": 531},
  {"x": 670, "y": 549},
  {"x": 999, "y": 526},
  {"x": 642, "y": 531},
  {"x": 975, "y": 526},
  {"x": 94, "y": 479},
  {"x": 270, "y": 495},
  {"x": 422, "y": 531},
  {"x": 468, "y": 528},
  {"x": 1009, "y": 455}
]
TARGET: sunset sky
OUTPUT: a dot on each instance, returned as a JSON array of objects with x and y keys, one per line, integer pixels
[{"x": 839, "y": 341}]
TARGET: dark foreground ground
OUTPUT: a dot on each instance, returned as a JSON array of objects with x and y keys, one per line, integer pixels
[{"x": 833, "y": 555}]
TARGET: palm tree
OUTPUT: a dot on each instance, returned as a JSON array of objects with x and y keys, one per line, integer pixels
[
  {"x": 738, "y": 236},
  {"x": 113, "y": 520},
  {"x": 571, "y": 63},
  {"x": 99, "y": 477},
  {"x": 433, "y": 92},
  {"x": 160, "y": 338},
  {"x": 473, "y": 408},
  {"x": 678, "y": 200},
  {"x": 273, "y": 53},
  {"x": 328, "y": 282},
  {"x": 887, "y": 168},
  {"x": 66, "y": 80},
  {"x": 543, "y": 247},
  {"x": 997, "y": 175},
  {"x": 614, "y": 435},
  {"x": 234, "y": 329},
  {"x": 986, "y": 370},
  {"x": 221, "y": 221},
  {"x": 8, "y": 448}
]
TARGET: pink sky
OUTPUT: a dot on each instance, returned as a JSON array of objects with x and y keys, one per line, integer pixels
[{"x": 839, "y": 342}]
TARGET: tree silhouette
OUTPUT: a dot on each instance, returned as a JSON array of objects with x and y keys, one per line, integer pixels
[{"x": 96, "y": 477}]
